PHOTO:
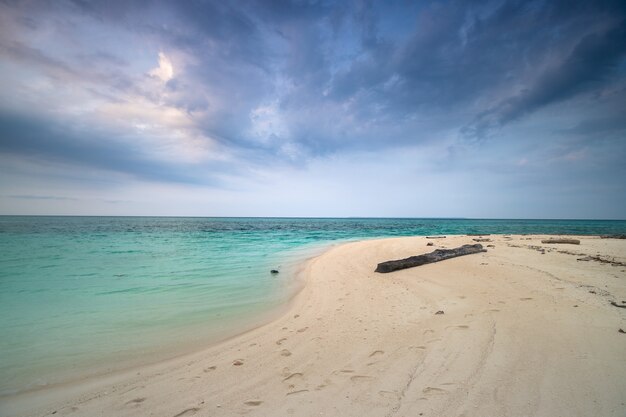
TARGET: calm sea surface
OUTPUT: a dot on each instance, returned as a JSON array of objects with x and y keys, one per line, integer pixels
[{"x": 82, "y": 295}]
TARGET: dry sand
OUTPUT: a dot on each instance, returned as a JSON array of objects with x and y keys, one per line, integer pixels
[{"x": 522, "y": 334}]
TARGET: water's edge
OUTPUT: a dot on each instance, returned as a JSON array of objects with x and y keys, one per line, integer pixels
[{"x": 90, "y": 379}]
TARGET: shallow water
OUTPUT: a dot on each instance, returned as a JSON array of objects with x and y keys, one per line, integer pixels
[{"x": 80, "y": 294}]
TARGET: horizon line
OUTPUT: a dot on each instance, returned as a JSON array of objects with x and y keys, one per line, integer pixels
[{"x": 313, "y": 217}]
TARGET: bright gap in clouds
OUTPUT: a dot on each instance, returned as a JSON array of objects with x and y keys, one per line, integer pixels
[{"x": 165, "y": 70}]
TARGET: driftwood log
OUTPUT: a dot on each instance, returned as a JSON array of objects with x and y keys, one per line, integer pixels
[
  {"x": 570, "y": 241},
  {"x": 435, "y": 237},
  {"x": 428, "y": 258}
]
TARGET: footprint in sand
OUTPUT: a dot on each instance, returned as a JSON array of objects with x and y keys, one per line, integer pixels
[
  {"x": 238, "y": 362},
  {"x": 187, "y": 412},
  {"x": 433, "y": 390},
  {"x": 377, "y": 352},
  {"x": 304, "y": 329},
  {"x": 285, "y": 352},
  {"x": 297, "y": 392},
  {"x": 294, "y": 375},
  {"x": 388, "y": 394},
  {"x": 526, "y": 298},
  {"x": 359, "y": 378},
  {"x": 253, "y": 403},
  {"x": 136, "y": 401},
  {"x": 280, "y": 341},
  {"x": 210, "y": 368},
  {"x": 417, "y": 347}
]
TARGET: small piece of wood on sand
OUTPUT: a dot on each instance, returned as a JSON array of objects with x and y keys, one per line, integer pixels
[
  {"x": 435, "y": 256},
  {"x": 567, "y": 241}
]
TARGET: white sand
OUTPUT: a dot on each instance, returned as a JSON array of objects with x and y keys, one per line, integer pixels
[{"x": 522, "y": 334}]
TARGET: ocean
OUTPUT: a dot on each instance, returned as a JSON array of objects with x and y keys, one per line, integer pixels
[{"x": 89, "y": 295}]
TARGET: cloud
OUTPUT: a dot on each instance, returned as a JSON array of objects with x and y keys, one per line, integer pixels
[
  {"x": 349, "y": 76},
  {"x": 52, "y": 142},
  {"x": 42, "y": 197},
  {"x": 589, "y": 65},
  {"x": 165, "y": 70}
]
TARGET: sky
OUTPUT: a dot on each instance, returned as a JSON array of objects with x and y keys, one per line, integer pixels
[{"x": 481, "y": 109}]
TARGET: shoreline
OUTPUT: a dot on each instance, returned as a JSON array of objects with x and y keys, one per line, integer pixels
[
  {"x": 322, "y": 332},
  {"x": 99, "y": 377},
  {"x": 241, "y": 325}
]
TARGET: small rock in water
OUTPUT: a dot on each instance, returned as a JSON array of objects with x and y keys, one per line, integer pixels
[
  {"x": 274, "y": 271},
  {"x": 440, "y": 312}
]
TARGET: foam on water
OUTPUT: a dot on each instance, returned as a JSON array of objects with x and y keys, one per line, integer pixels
[{"x": 88, "y": 294}]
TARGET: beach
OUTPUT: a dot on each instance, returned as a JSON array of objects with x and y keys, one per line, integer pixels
[{"x": 525, "y": 328}]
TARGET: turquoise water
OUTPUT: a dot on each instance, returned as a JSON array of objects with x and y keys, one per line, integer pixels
[{"x": 92, "y": 294}]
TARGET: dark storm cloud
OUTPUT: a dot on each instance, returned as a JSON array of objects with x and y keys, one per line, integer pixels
[
  {"x": 62, "y": 144},
  {"x": 331, "y": 76},
  {"x": 460, "y": 53},
  {"x": 586, "y": 68}
]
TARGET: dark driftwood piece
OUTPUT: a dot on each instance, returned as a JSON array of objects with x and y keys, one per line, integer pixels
[
  {"x": 428, "y": 258},
  {"x": 435, "y": 237},
  {"x": 613, "y": 303},
  {"x": 570, "y": 241},
  {"x": 482, "y": 239}
]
